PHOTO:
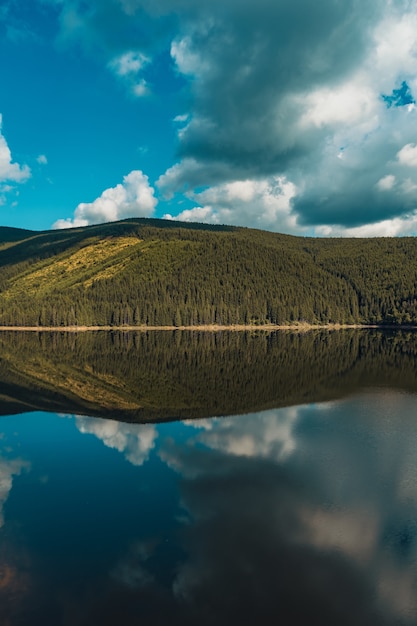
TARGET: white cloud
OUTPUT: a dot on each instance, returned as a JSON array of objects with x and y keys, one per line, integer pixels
[
  {"x": 207, "y": 215},
  {"x": 42, "y": 160},
  {"x": 386, "y": 183},
  {"x": 278, "y": 93},
  {"x": 332, "y": 135},
  {"x": 350, "y": 103},
  {"x": 128, "y": 63},
  {"x": 128, "y": 66},
  {"x": 395, "y": 50},
  {"x": 10, "y": 171},
  {"x": 408, "y": 155},
  {"x": 181, "y": 119},
  {"x": 405, "y": 225},
  {"x": 264, "y": 203},
  {"x": 135, "y": 441},
  {"x": 140, "y": 89},
  {"x": 132, "y": 198},
  {"x": 187, "y": 61}
]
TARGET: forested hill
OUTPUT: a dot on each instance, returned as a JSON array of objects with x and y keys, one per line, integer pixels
[{"x": 156, "y": 272}]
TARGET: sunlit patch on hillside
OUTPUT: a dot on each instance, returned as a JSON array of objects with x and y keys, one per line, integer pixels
[{"x": 92, "y": 262}]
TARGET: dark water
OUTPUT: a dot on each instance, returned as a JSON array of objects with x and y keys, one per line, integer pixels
[{"x": 297, "y": 514}]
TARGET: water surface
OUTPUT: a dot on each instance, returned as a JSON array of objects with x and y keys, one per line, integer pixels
[
  {"x": 305, "y": 513},
  {"x": 154, "y": 376}
]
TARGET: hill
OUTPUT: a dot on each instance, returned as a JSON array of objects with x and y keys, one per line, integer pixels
[{"x": 156, "y": 272}]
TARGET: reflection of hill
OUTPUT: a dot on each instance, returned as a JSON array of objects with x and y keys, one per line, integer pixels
[{"x": 163, "y": 375}]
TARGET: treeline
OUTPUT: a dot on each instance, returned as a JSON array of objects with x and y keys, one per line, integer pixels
[
  {"x": 149, "y": 376},
  {"x": 158, "y": 273}
]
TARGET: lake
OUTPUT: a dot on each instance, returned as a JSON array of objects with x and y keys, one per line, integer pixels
[{"x": 208, "y": 478}]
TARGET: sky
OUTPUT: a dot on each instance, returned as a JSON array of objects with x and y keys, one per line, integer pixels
[{"x": 292, "y": 116}]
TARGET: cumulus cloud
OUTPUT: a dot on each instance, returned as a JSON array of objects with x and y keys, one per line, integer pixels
[
  {"x": 321, "y": 96},
  {"x": 128, "y": 63},
  {"x": 261, "y": 203},
  {"x": 128, "y": 66},
  {"x": 408, "y": 155},
  {"x": 252, "y": 75},
  {"x": 135, "y": 441},
  {"x": 134, "y": 197},
  {"x": 332, "y": 119},
  {"x": 386, "y": 183},
  {"x": 368, "y": 182},
  {"x": 395, "y": 227},
  {"x": 10, "y": 171}
]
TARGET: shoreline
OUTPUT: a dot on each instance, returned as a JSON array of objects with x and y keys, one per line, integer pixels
[{"x": 301, "y": 327}]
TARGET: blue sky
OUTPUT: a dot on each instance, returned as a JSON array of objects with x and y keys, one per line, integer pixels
[{"x": 286, "y": 115}]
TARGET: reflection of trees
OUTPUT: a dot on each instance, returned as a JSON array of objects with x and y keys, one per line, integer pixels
[{"x": 161, "y": 375}]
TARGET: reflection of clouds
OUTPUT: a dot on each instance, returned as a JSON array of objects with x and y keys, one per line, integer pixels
[
  {"x": 302, "y": 515},
  {"x": 365, "y": 464},
  {"x": 131, "y": 571},
  {"x": 317, "y": 503},
  {"x": 399, "y": 591},
  {"x": 250, "y": 554},
  {"x": 269, "y": 434},
  {"x": 134, "y": 440},
  {"x": 352, "y": 532},
  {"x": 132, "y": 575},
  {"x": 8, "y": 469}
]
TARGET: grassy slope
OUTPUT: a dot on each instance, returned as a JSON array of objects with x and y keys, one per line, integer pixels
[{"x": 173, "y": 272}]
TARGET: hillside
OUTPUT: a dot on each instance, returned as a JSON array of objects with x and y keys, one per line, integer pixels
[{"x": 156, "y": 272}]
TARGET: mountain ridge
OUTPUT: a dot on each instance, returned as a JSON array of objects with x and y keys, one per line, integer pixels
[{"x": 151, "y": 272}]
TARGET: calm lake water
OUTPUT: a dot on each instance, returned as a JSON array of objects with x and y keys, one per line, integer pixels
[{"x": 301, "y": 509}]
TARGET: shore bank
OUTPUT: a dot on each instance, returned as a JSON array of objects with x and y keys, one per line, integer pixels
[{"x": 301, "y": 327}]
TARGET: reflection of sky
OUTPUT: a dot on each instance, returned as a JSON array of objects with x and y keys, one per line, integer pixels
[
  {"x": 8, "y": 469},
  {"x": 134, "y": 440},
  {"x": 299, "y": 515},
  {"x": 297, "y": 496},
  {"x": 268, "y": 434}
]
